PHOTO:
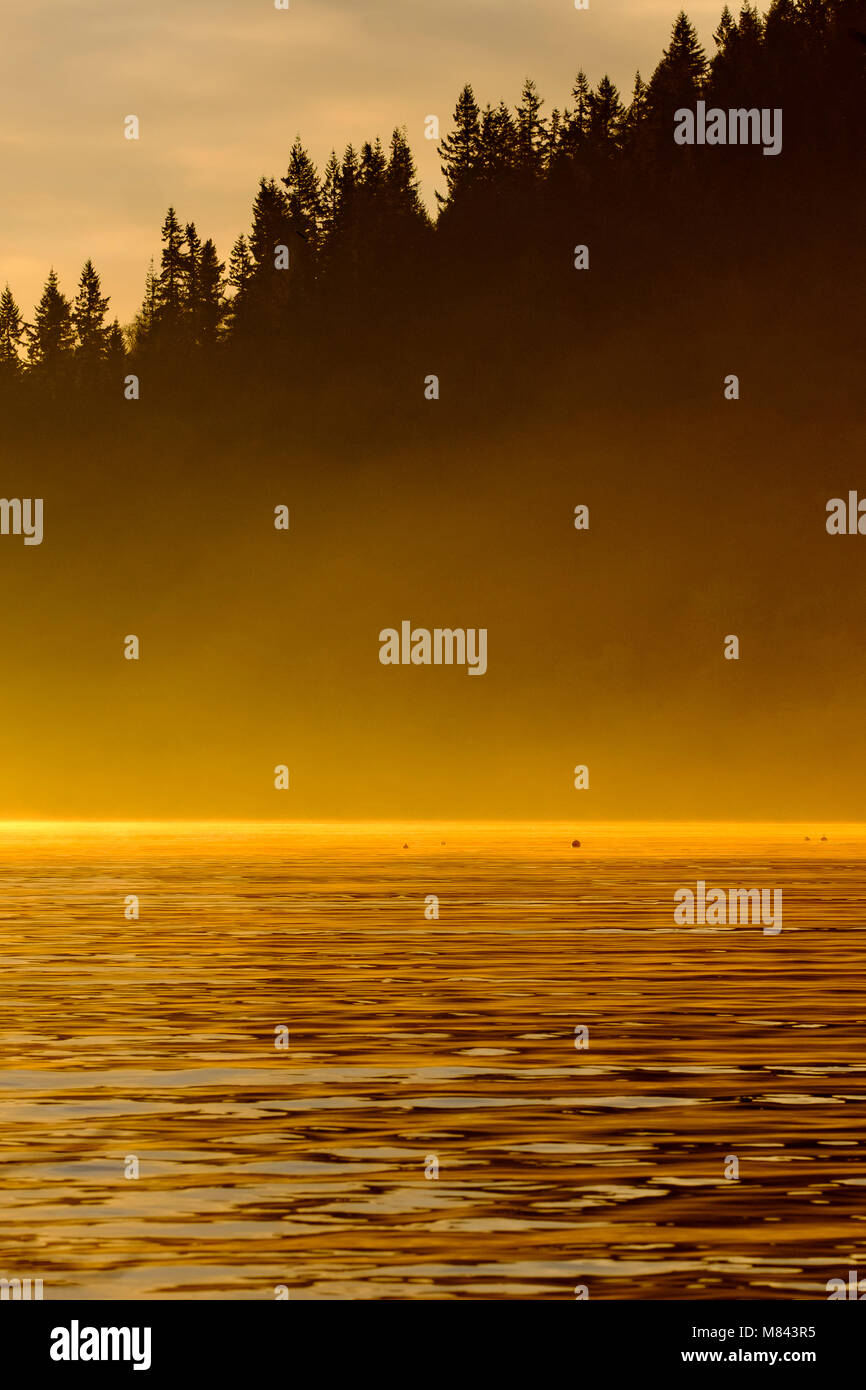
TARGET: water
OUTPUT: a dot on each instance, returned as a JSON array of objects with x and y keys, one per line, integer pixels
[{"x": 414, "y": 1039}]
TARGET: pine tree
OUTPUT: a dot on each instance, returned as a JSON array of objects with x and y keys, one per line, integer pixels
[
  {"x": 271, "y": 228},
  {"x": 575, "y": 124},
  {"x": 401, "y": 180},
  {"x": 750, "y": 27},
  {"x": 240, "y": 265},
  {"x": 497, "y": 145},
  {"x": 531, "y": 132},
  {"x": 88, "y": 312},
  {"x": 304, "y": 194},
  {"x": 211, "y": 286},
  {"x": 143, "y": 325},
  {"x": 11, "y": 334},
  {"x": 606, "y": 117},
  {"x": 783, "y": 23},
  {"x": 240, "y": 280},
  {"x": 554, "y": 135},
  {"x": 115, "y": 349},
  {"x": 737, "y": 66},
  {"x": 725, "y": 30},
  {"x": 459, "y": 151},
  {"x": 636, "y": 115},
  {"x": 191, "y": 288},
  {"x": 51, "y": 337},
  {"x": 679, "y": 77},
  {"x": 150, "y": 307},
  {"x": 350, "y": 173},
  {"x": 170, "y": 284},
  {"x": 372, "y": 168},
  {"x": 330, "y": 198}
]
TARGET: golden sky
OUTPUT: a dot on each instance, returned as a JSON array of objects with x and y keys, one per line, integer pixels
[{"x": 221, "y": 88}]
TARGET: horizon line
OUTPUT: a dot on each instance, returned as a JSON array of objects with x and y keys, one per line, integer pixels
[{"x": 423, "y": 820}]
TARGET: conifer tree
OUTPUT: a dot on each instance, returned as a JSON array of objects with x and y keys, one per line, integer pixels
[
  {"x": 88, "y": 312},
  {"x": 750, "y": 28},
  {"x": 606, "y": 117},
  {"x": 459, "y": 151},
  {"x": 531, "y": 132},
  {"x": 350, "y": 172},
  {"x": 191, "y": 290},
  {"x": 145, "y": 320},
  {"x": 275, "y": 272},
  {"x": 115, "y": 348},
  {"x": 170, "y": 284},
  {"x": 370, "y": 194},
  {"x": 575, "y": 123},
  {"x": 211, "y": 287},
  {"x": 679, "y": 77},
  {"x": 724, "y": 31},
  {"x": 271, "y": 227},
  {"x": 372, "y": 167},
  {"x": 240, "y": 279},
  {"x": 304, "y": 194},
  {"x": 401, "y": 180},
  {"x": 51, "y": 337},
  {"x": 330, "y": 197},
  {"x": 739, "y": 42},
  {"x": 497, "y": 145},
  {"x": 636, "y": 115},
  {"x": 240, "y": 265},
  {"x": 554, "y": 134},
  {"x": 11, "y": 334}
]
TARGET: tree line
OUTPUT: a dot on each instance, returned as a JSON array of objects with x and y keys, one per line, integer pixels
[{"x": 353, "y": 234}]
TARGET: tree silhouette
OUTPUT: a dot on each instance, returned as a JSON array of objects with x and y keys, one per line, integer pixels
[
  {"x": 636, "y": 115},
  {"x": 359, "y": 244},
  {"x": 211, "y": 296},
  {"x": 330, "y": 198},
  {"x": 145, "y": 320},
  {"x": 88, "y": 313},
  {"x": 115, "y": 351},
  {"x": 575, "y": 123},
  {"x": 191, "y": 283},
  {"x": 459, "y": 151},
  {"x": 679, "y": 77},
  {"x": 171, "y": 281},
  {"x": 240, "y": 279},
  {"x": 401, "y": 181},
  {"x": 497, "y": 148},
  {"x": 11, "y": 335},
  {"x": 304, "y": 195},
  {"x": 272, "y": 269},
  {"x": 531, "y": 131},
  {"x": 51, "y": 337},
  {"x": 606, "y": 118}
]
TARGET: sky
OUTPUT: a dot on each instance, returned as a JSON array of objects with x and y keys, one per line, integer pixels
[{"x": 222, "y": 87}]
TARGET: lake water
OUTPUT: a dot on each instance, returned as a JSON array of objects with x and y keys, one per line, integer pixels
[{"x": 417, "y": 1042}]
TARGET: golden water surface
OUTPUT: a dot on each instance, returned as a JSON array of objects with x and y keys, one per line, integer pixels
[{"x": 417, "y": 1042}]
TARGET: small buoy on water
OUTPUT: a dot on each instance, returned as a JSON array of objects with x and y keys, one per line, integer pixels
[
  {"x": 405, "y": 846},
  {"x": 575, "y": 844}
]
